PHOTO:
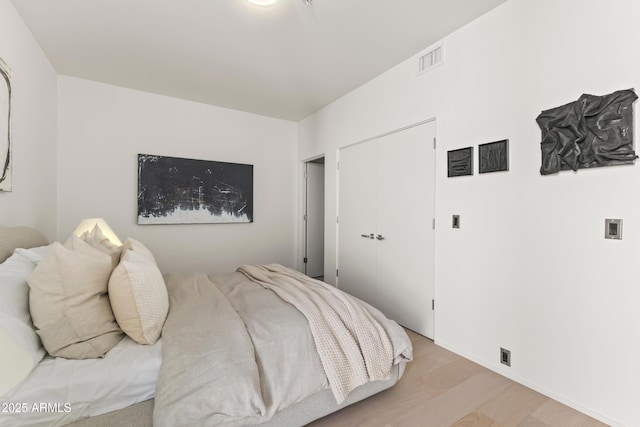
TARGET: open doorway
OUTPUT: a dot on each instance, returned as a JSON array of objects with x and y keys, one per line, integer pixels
[{"x": 314, "y": 218}]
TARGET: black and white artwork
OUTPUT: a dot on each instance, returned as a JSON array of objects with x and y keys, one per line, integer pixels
[
  {"x": 593, "y": 131},
  {"x": 460, "y": 162},
  {"x": 5, "y": 127},
  {"x": 493, "y": 156},
  {"x": 174, "y": 190}
]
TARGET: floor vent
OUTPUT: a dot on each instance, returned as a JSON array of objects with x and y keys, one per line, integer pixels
[{"x": 431, "y": 59}]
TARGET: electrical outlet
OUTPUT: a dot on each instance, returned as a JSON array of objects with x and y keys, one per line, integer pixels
[
  {"x": 455, "y": 221},
  {"x": 505, "y": 356}
]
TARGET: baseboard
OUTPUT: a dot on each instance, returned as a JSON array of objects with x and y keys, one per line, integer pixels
[{"x": 531, "y": 385}]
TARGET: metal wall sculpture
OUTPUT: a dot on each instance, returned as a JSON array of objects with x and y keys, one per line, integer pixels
[
  {"x": 591, "y": 132},
  {"x": 173, "y": 190},
  {"x": 5, "y": 127}
]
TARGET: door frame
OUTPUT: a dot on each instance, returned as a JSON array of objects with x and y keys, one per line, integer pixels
[{"x": 314, "y": 159}]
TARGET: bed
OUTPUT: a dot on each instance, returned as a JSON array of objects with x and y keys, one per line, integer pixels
[{"x": 242, "y": 348}]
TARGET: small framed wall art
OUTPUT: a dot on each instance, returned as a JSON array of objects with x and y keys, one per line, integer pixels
[
  {"x": 460, "y": 162},
  {"x": 493, "y": 156}
]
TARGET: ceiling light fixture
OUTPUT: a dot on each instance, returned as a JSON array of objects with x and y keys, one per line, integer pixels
[{"x": 263, "y": 2}]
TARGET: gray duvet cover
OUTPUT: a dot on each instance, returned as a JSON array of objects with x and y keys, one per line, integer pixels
[{"x": 234, "y": 353}]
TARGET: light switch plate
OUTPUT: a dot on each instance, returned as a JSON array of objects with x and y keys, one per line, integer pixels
[
  {"x": 613, "y": 229},
  {"x": 455, "y": 221}
]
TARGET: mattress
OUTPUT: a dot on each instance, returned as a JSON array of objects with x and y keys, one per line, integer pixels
[{"x": 60, "y": 391}]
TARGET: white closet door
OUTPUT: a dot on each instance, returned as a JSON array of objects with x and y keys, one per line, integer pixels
[
  {"x": 357, "y": 218},
  {"x": 405, "y": 209}
]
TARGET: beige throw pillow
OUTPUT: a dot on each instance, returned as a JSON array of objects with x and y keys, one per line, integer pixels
[
  {"x": 136, "y": 246},
  {"x": 69, "y": 303},
  {"x": 96, "y": 239},
  {"x": 139, "y": 297}
]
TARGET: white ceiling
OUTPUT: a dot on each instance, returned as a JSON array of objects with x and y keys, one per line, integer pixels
[{"x": 286, "y": 61}]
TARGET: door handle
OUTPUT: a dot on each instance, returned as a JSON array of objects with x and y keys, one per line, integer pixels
[
  {"x": 380, "y": 237},
  {"x": 368, "y": 236}
]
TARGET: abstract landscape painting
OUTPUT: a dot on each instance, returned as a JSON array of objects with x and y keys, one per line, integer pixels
[
  {"x": 5, "y": 127},
  {"x": 173, "y": 190}
]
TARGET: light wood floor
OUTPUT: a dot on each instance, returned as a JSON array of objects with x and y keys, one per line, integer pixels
[{"x": 442, "y": 389}]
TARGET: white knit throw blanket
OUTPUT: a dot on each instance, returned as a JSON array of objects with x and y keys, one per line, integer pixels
[{"x": 353, "y": 347}]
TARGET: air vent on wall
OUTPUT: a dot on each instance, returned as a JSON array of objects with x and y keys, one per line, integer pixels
[{"x": 431, "y": 59}]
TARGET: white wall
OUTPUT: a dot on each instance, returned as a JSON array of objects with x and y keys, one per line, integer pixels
[
  {"x": 530, "y": 269},
  {"x": 32, "y": 200},
  {"x": 103, "y": 128}
]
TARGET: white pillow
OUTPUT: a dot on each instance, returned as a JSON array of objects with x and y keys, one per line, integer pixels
[
  {"x": 14, "y": 291},
  {"x": 17, "y": 331},
  {"x": 15, "y": 362},
  {"x": 96, "y": 239},
  {"x": 35, "y": 255},
  {"x": 139, "y": 297},
  {"x": 69, "y": 303}
]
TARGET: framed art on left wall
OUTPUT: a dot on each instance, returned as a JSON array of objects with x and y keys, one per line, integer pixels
[
  {"x": 173, "y": 190},
  {"x": 5, "y": 127}
]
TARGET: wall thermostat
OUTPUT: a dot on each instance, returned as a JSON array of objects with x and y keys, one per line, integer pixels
[{"x": 613, "y": 229}]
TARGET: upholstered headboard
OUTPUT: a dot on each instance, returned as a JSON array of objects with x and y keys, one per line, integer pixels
[{"x": 19, "y": 237}]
